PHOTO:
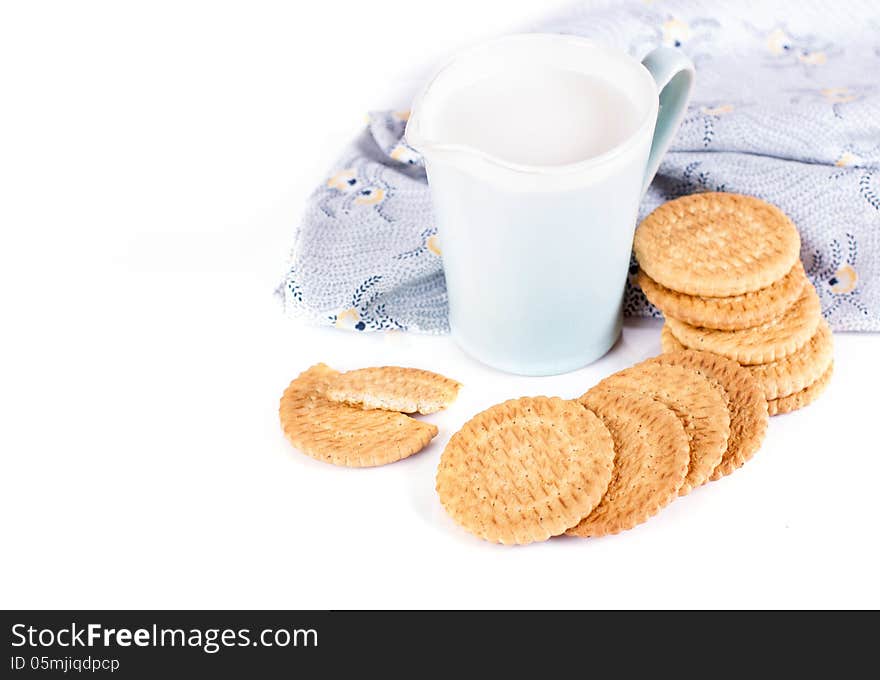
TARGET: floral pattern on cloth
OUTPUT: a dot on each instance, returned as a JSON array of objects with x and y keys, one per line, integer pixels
[{"x": 786, "y": 108}]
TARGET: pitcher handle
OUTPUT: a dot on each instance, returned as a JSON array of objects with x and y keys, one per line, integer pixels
[{"x": 674, "y": 74}]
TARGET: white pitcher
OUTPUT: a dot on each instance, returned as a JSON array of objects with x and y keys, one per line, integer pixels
[{"x": 536, "y": 253}]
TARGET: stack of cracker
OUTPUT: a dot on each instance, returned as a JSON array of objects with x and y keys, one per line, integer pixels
[
  {"x": 725, "y": 271},
  {"x": 536, "y": 467}
]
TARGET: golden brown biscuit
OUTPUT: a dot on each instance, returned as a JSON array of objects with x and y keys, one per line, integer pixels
[
  {"x": 727, "y": 313},
  {"x": 716, "y": 244},
  {"x": 344, "y": 435},
  {"x": 762, "y": 344},
  {"x": 796, "y": 371},
  {"x": 394, "y": 388},
  {"x": 743, "y": 396},
  {"x": 696, "y": 401},
  {"x": 526, "y": 469},
  {"x": 650, "y": 463},
  {"x": 804, "y": 397}
]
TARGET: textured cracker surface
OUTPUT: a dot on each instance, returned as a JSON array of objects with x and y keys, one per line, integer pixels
[
  {"x": 798, "y": 400},
  {"x": 526, "y": 469},
  {"x": 344, "y": 435},
  {"x": 716, "y": 244},
  {"x": 762, "y": 344},
  {"x": 798, "y": 370},
  {"x": 394, "y": 388},
  {"x": 697, "y": 402},
  {"x": 650, "y": 463},
  {"x": 668, "y": 342},
  {"x": 745, "y": 401},
  {"x": 727, "y": 313}
]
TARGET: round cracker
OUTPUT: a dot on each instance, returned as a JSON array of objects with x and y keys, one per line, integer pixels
[
  {"x": 802, "y": 398},
  {"x": 341, "y": 434},
  {"x": 394, "y": 388},
  {"x": 650, "y": 463},
  {"x": 745, "y": 404},
  {"x": 696, "y": 401},
  {"x": 716, "y": 244},
  {"x": 727, "y": 313},
  {"x": 798, "y": 370},
  {"x": 762, "y": 344},
  {"x": 526, "y": 469}
]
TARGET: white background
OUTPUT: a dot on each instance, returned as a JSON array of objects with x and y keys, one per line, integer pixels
[{"x": 155, "y": 159}]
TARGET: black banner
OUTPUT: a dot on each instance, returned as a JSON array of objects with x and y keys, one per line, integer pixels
[{"x": 262, "y": 644}]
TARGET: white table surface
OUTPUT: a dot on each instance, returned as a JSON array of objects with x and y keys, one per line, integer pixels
[{"x": 157, "y": 167}]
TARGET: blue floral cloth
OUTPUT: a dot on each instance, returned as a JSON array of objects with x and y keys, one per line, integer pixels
[{"x": 786, "y": 107}]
